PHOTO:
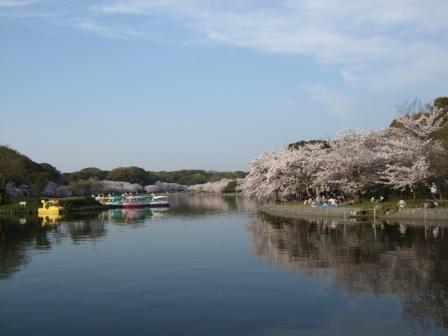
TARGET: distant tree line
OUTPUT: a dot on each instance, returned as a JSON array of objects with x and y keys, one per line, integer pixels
[
  {"x": 21, "y": 170},
  {"x": 139, "y": 175}
]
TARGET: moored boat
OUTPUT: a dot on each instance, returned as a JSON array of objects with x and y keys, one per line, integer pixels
[
  {"x": 137, "y": 201},
  {"x": 102, "y": 199},
  {"x": 115, "y": 201},
  {"x": 159, "y": 202},
  {"x": 49, "y": 208}
]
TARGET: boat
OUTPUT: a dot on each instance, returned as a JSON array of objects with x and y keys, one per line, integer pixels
[
  {"x": 49, "y": 208},
  {"x": 137, "y": 201},
  {"x": 115, "y": 201},
  {"x": 101, "y": 199},
  {"x": 134, "y": 201},
  {"x": 159, "y": 202}
]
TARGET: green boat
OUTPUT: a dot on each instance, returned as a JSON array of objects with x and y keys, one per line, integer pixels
[{"x": 115, "y": 201}]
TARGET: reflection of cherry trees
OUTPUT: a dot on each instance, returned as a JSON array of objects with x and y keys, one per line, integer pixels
[
  {"x": 135, "y": 217},
  {"x": 198, "y": 204},
  {"x": 364, "y": 259},
  {"x": 353, "y": 161}
]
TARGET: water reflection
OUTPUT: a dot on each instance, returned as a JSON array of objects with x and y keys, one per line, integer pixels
[
  {"x": 47, "y": 220},
  {"x": 126, "y": 216},
  {"x": 206, "y": 263},
  {"x": 402, "y": 259},
  {"x": 20, "y": 237},
  {"x": 204, "y": 204}
]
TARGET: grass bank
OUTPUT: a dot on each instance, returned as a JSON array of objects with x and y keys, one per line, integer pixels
[
  {"x": 70, "y": 204},
  {"x": 387, "y": 210}
]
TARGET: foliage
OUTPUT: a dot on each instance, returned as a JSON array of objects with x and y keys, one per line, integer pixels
[
  {"x": 86, "y": 187},
  {"x": 193, "y": 177},
  {"x": 302, "y": 143},
  {"x": 441, "y": 103},
  {"x": 88, "y": 173},
  {"x": 431, "y": 124},
  {"x": 19, "y": 169},
  {"x": 405, "y": 157},
  {"x": 138, "y": 175},
  {"x": 230, "y": 188},
  {"x": 131, "y": 175},
  {"x": 38, "y": 181},
  {"x": 78, "y": 202}
]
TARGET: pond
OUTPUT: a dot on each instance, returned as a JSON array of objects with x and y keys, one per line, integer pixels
[{"x": 213, "y": 265}]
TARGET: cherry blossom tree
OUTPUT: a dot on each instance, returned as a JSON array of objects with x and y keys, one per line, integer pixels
[
  {"x": 282, "y": 175},
  {"x": 424, "y": 122},
  {"x": 398, "y": 157},
  {"x": 352, "y": 162}
]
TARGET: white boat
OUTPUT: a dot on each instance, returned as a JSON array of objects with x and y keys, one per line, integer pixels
[
  {"x": 159, "y": 202},
  {"x": 137, "y": 201}
]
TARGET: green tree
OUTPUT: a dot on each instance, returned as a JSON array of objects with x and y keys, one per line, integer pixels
[
  {"x": 439, "y": 157},
  {"x": 230, "y": 188},
  {"x": 51, "y": 171},
  {"x": 131, "y": 175},
  {"x": 442, "y": 103},
  {"x": 88, "y": 173},
  {"x": 38, "y": 181},
  {"x": 86, "y": 187},
  {"x": 195, "y": 176},
  {"x": 19, "y": 169},
  {"x": 12, "y": 169}
]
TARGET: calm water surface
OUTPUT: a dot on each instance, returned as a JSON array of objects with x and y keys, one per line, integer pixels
[{"x": 212, "y": 265}]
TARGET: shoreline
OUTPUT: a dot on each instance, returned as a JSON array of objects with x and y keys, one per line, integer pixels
[
  {"x": 13, "y": 209},
  {"x": 299, "y": 211}
]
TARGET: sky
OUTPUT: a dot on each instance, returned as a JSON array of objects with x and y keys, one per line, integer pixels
[{"x": 208, "y": 84}]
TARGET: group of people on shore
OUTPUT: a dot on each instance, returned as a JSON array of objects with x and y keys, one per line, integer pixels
[
  {"x": 332, "y": 199},
  {"x": 323, "y": 201}
]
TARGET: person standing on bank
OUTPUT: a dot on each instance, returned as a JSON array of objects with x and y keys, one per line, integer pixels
[{"x": 434, "y": 191}]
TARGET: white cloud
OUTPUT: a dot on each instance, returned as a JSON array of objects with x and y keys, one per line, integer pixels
[
  {"x": 113, "y": 32},
  {"x": 350, "y": 34},
  {"x": 340, "y": 105},
  {"x": 374, "y": 43},
  {"x": 12, "y": 3}
]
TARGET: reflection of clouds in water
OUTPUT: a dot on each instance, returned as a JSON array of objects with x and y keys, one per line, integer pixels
[{"x": 403, "y": 260}]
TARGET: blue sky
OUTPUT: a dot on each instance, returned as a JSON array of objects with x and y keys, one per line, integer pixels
[{"x": 209, "y": 84}]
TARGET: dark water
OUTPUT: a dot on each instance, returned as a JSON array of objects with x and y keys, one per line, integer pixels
[{"x": 213, "y": 266}]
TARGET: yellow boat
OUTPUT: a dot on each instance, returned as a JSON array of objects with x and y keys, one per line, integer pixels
[{"x": 49, "y": 208}]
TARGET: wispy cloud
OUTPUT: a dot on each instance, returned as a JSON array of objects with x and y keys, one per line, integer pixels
[
  {"x": 13, "y": 3},
  {"x": 340, "y": 105},
  {"x": 113, "y": 32},
  {"x": 360, "y": 37},
  {"x": 374, "y": 43}
]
